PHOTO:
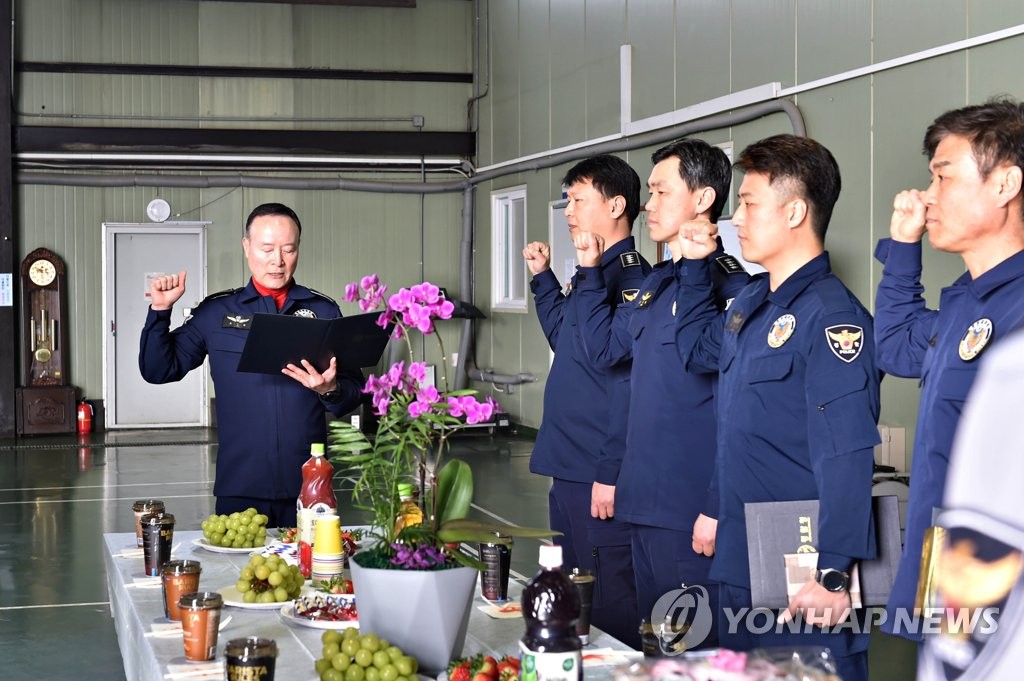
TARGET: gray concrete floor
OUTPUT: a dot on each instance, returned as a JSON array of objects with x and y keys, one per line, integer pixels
[{"x": 58, "y": 495}]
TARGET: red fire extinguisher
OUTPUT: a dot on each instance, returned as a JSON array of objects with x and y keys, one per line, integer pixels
[{"x": 84, "y": 417}]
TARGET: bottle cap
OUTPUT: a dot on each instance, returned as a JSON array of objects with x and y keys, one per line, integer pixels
[
  {"x": 316, "y": 449},
  {"x": 404, "y": 489},
  {"x": 550, "y": 556}
]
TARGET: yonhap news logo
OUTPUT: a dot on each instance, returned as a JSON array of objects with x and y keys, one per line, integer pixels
[{"x": 682, "y": 619}]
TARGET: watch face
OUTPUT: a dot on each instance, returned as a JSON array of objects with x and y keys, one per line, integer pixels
[
  {"x": 833, "y": 580},
  {"x": 42, "y": 272}
]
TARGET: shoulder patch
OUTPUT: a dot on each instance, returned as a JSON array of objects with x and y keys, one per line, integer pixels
[
  {"x": 845, "y": 341},
  {"x": 729, "y": 264},
  {"x": 221, "y": 294},
  {"x": 630, "y": 294},
  {"x": 629, "y": 259},
  {"x": 322, "y": 295}
]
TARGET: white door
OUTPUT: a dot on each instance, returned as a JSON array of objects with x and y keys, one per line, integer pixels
[
  {"x": 134, "y": 253},
  {"x": 563, "y": 251}
]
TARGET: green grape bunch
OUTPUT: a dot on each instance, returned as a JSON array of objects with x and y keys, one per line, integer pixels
[
  {"x": 241, "y": 530},
  {"x": 350, "y": 657},
  {"x": 269, "y": 579}
]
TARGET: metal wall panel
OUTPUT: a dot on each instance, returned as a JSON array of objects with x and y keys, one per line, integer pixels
[
  {"x": 832, "y": 37},
  {"x": 906, "y": 26},
  {"x": 606, "y": 31},
  {"x": 650, "y": 30},
  {"x": 568, "y": 82},
  {"x": 534, "y": 55},
  {"x": 703, "y": 51},
  {"x": 763, "y": 42}
]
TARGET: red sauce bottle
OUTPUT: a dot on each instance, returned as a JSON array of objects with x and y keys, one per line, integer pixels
[{"x": 316, "y": 499}]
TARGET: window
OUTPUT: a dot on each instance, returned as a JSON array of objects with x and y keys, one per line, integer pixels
[{"x": 508, "y": 232}]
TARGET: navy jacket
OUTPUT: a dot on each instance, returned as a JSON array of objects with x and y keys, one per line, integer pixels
[
  {"x": 670, "y": 449},
  {"x": 798, "y": 402},
  {"x": 265, "y": 422},
  {"x": 941, "y": 347},
  {"x": 583, "y": 434}
]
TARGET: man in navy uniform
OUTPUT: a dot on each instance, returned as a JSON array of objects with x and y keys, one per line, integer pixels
[
  {"x": 583, "y": 432},
  {"x": 670, "y": 448},
  {"x": 798, "y": 392},
  {"x": 265, "y": 423},
  {"x": 972, "y": 207}
]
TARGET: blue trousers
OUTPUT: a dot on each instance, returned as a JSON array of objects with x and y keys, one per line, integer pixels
[
  {"x": 602, "y": 546},
  {"x": 663, "y": 561},
  {"x": 849, "y": 649}
]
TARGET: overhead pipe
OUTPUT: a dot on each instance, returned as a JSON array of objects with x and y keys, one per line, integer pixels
[{"x": 466, "y": 366}]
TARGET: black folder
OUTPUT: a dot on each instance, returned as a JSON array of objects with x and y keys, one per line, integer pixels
[
  {"x": 775, "y": 528},
  {"x": 275, "y": 341}
]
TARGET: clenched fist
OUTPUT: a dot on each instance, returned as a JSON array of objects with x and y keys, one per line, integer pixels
[
  {"x": 908, "y": 214},
  {"x": 696, "y": 240},
  {"x": 589, "y": 248},
  {"x": 165, "y": 291},
  {"x": 538, "y": 256}
]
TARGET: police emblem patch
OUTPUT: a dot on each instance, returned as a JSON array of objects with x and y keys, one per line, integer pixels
[
  {"x": 782, "y": 329},
  {"x": 630, "y": 294},
  {"x": 975, "y": 339},
  {"x": 304, "y": 312},
  {"x": 845, "y": 341},
  {"x": 645, "y": 298},
  {"x": 236, "y": 321}
]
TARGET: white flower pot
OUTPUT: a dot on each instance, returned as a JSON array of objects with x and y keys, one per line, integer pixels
[{"x": 423, "y": 612}]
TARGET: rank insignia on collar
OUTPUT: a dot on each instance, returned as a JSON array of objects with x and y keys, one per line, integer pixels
[
  {"x": 630, "y": 259},
  {"x": 236, "y": 321},
  {"x": 845, "y": 341},
  {"x": 645, "y": 298},
  {"x": 630, "y": 294},
  {"x": 975, "y": 339},
  {"x": 782, "y": 329},
  {"x": 304, "y": 312}
]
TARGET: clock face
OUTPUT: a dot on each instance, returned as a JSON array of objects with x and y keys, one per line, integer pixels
[{"x": 42, "y": 272}]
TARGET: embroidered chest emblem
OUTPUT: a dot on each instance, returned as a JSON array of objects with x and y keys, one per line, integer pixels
[
  {"x": 782, "y": 329},
  {"x": 236, "y": 321},
  {"x": 645, "y": 298},
  {"x": 304, "y": 312},
  {"x": 845, "y": 341},
  {"x": 975, "y": 339}
]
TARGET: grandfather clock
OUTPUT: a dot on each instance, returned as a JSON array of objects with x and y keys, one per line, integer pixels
[{"x": 46, "y": 403}]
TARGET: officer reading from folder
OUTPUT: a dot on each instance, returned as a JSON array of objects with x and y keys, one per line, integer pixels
[{"x": 265, "y": 422}]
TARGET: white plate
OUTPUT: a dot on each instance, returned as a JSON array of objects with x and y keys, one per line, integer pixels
[
  {"x": 288, "y": 615},
  {"x": 233, "y": 598},
  {"x": 202, "y": 543}
]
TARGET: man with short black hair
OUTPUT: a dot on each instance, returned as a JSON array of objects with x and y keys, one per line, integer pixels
[
  {"x": 798, "y": 391},
  {"x": 265, "y": 423},
  {"x": 973, "y": 207},
  {"x": 670, "y": 445},
  {"x": 581, "y": 437}
]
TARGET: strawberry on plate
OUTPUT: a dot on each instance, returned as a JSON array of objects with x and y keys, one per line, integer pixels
[
  {"x": 335, "y": 585},
  {"x": 289, "y": 535},
  {"x": 458, "y": 670}
]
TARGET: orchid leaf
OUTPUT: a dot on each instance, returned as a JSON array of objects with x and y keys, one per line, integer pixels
[{"x": 454, "y": 491}]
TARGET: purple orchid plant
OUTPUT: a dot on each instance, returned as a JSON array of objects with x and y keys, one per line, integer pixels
[{"x": 415, "y": 419}]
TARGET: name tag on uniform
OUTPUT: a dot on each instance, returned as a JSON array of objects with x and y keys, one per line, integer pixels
[{"x": 236, "y": 321}]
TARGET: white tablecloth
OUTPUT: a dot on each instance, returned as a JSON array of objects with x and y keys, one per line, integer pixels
[{"x": 135, "y": 610}]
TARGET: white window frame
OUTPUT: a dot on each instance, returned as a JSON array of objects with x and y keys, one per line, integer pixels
[{"x": 509, "y": 285}]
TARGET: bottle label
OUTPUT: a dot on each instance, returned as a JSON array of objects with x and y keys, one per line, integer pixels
[{"x": 536, "y": 666}]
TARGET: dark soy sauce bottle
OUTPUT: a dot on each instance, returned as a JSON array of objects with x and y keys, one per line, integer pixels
[{"x": 550, "y": 650}]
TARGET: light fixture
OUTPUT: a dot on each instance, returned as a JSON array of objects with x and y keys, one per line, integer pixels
[{"x": 158, "y": 210}]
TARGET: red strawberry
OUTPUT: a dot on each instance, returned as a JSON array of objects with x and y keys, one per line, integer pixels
[
  {"x": 459, "y": 671},
  {"x": 514, "y": 661},
  {"x": 507, "y": 671},
  {"x": 488, "y": 665},
  {"x": 481, "y": 676}
]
